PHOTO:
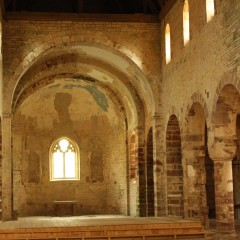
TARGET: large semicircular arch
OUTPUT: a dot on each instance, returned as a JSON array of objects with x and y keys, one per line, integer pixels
[{"x": 106, "y": 54}]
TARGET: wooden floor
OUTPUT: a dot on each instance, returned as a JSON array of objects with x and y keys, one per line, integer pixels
[
  {"x": 101, "y": 227},
  {"x": 87, "y": 220}
]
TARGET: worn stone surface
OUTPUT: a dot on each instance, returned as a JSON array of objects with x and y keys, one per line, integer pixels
[
  {"x": 107, "y": 86},
  {"x": 56, "y": 111}
]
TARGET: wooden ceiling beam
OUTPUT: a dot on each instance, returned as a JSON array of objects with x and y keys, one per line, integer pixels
[
  {"x": 161, "y": 4},
  {"x": 169, "y": 4},
  {"x": 3, "y": 12},
  {"x": 79, "y": 4},
  {"x": 152, "y": 6},
  {"x": 120, "y": 7},
  {"x": 149, "y": 5}
]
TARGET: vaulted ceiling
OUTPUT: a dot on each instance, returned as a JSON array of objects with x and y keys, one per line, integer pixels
[{"x": 87, "y": 6}]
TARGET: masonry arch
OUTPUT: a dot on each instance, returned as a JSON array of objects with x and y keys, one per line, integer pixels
[
  {"x": 96, "y": 51},
  {"x": 72, "y": 69},
  {"x": 197, "y": 163},
  {"x": 133, "y": 174},
  {"x": 224, "y": 122},
  {"x": 174, "y": 168},
  {"x": 222, "y": 148},
  {"x": 150, "y": 174}
]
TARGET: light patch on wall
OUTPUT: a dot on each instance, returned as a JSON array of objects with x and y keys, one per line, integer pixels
[
  {"x": 191, "y": 171},
  {"x": 210, "y": 9},
  {"x": 99, "y": 97},
  {"x": 55, "y": 86},
  {"x": 133, "y": 57},
  {"x": 132, "y": 119},
  {"x": 106, "y": 56},
  {"x": 100, "y": 76}
]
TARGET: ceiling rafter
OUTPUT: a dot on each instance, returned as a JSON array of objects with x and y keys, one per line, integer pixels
[
  {"x": 152, "y": 6},
  {"x": 88, "y": 6}
]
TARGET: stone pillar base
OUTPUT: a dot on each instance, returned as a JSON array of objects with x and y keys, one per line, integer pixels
[{"x": 226, "y": 236}]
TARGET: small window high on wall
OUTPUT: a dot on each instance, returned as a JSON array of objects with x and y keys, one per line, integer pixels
[
  {"x": 64, "y": 160},
  {"x": 186, "y": 27},
  {"x": 210, "y": 9},
  {"x": 168, "y": 44}
]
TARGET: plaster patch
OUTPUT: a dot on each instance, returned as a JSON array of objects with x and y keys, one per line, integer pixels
[
  {"x": 98, "y": 96},
  {"x": 55, "y": 86},
  {"x": 106, "y": 56},
  {"x": 191, "y": 171},
  {"x": 100, "y": 76}
]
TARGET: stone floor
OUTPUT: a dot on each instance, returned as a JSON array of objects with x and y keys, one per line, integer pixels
[
  {"x": 88, "y": 220},
  {"x": 96, "y": 220},
  {"x": 226, "y": 236}
]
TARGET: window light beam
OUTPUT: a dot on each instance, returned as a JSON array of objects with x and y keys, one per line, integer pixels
[
  {"x": 186, "y": 25},
  {"x": 168, "y": 44}
]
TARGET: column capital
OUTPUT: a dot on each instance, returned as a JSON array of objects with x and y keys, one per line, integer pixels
[
  {"x": 156, "y": 116},
  {"x": 222, "y": 159},
  {"x": 7, "y": 115}
]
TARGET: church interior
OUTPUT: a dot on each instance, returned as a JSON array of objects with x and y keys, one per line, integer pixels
[{"x": 120, "y": 108}]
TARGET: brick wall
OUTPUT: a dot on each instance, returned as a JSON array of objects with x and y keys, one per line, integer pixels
[
  {"x": 198, "y": 71},
  {"x": 36, "y": 50},
  {"x": 174, "y": 168}
]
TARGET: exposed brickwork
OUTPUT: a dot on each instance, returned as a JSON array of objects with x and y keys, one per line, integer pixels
[
  {"x": 39, "y": 53},
  {"x": 194, "y": 156},
  {"x": 133, "y": 176},
  {"x": 174, "y": 168},
  {"x": 199, "y": 73},
  {"x": 199, "y": 87},
  {"x": 1, "y": 170},
  {"x": 133, "y": 158},
  {"x": 150, "y": 174}
]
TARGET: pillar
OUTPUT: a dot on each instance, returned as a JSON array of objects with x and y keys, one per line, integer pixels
[
  {"x": 224, "y": 195},
  {"x": 141, "y": 173},
  {"x": 160, "y": 183},
  {"x": 7, "y": 199}
]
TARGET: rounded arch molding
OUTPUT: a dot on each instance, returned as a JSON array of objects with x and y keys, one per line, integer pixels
[
  {"x": 198, "y": 98},
  {"x": 173, "y": 112},
  {"x": 227, "y": 79},
  {"x": 134, "y": 74}
]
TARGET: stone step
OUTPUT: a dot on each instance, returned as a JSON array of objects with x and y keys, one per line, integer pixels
[{"x": 178, "y": 230}]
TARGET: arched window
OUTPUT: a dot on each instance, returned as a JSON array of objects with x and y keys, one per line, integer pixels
[
  {"x": 64, "y": 160},
  {"x": 210, "y": 9},
  {"x": 168, "y": 44},
  {"x": 186, "y": 29}
]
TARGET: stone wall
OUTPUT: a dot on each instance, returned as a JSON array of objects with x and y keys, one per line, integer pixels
[
  {"x": 199, "y": 87},
  {"x": 174, "y": 168},
  {"x": 53, "y": 112},
  {"x": 115, "y": 59},
  {"x": 197, "y": 73}
]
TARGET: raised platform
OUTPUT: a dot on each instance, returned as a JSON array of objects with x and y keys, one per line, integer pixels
[{"x": 101, "y": 228}]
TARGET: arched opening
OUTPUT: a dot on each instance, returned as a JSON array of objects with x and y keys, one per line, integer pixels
[
  {"x": 1, "y": 167},
  {"x": 95, "y": 108},
  {"x": 223, "y": 149},
  {"x": 174, "y": 168},
  {"x": 150, "y": 174},
  {"x": 210, "y": 9},
  {"x": 210, "y": 187},
  {"x": 64, "y": 160},
  {"x": 197, "y": 162},
  {"x": 167, "y": 44},
  {"x": 133, "y": 176},
  {"x": 236, "y": 172},
  {"x": 88, "y": 115},
  {"x": 186, "y": 24}
]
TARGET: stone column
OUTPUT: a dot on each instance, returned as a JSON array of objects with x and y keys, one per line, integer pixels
[
  {"x": 224, "y": 195},
  {"x": 7, "y": 200},
  {"x": 159, "y": 177},
  {"x": 141, "y": 173}
]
